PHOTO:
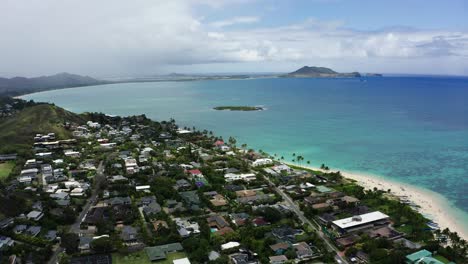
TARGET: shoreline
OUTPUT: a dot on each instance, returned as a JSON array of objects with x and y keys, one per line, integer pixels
[{"x": 431, "y": 204}]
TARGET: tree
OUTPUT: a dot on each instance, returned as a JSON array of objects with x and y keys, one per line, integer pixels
[
  {"x": 232, "y": 141},
  {"x": 101, "y": 245},
  {"x": 70, "y": 242},
  {"x": 271, "y": 214}
]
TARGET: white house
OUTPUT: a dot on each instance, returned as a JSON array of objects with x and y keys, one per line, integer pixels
[
  {"x": 262, "y": 162},
  {"x": 77, "y": 192},
  {"x": 229, "y": 245},
  {"x": 35, "y": 215},
  {"x": 71, "y": 153},
  {"x": 142, "y": 187},
  {"x": 229, "y": 177}
]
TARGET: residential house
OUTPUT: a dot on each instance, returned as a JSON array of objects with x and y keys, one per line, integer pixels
[
  {"x": 280, "y": 248},
  {"x": 303, "y": 250},
  {"x": 218, "y": 225},
  {"x": 191, "y": 199},
  {"x": 278, "y": 259},
  {"x": 421, "y": 257},
  {"x": 239, "y": 219},
  {"x": 6, "y": 242},
  {"x": 262, "y": 162},
  {"x": 19, "y": 229},
  {"x": 129, "y": 234},
  {"x": 360, "y": 222},
  {"x": 159, "y": 252},
  {"x": 119, "y": 201},
  {"x": 152, "y": 209},
  {"x": 286, "y": 233},
  {"x": 229, "y": 177},
  {"x": 33, "y": 230},
  {"x": 35, "y": 215},
  {"x": 186, "y": 228}
]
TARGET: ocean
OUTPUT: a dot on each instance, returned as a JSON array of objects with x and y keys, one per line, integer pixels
[{"x": 409, "y": 129}]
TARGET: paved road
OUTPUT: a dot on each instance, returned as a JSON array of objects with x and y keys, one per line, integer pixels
[
  {"x": 304, "y": 220},
  {"x": 75, "y": 227}
]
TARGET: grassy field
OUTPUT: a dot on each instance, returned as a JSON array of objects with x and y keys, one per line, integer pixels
[
  {"x": 140, "y": 257},
  {"x": 171, "y": 257},
  {"x": 441, "y": 259},
  {"x": 5, "y": 169}
]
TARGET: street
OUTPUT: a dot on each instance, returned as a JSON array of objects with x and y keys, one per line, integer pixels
[
  {"x": 75, "y": 227},
  {"x": 301, "y": 216}
]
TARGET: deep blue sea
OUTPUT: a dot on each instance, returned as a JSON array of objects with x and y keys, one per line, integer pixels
[{"x": 409, "y": 129}]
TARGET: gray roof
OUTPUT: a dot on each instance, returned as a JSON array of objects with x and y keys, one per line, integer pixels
[{"x": 152, "y": 208}]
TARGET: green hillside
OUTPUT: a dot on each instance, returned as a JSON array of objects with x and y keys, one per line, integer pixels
[{"x": 17, "y": 132}]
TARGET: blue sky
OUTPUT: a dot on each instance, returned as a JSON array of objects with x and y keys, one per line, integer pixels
[
  {"x": 146, "y": 37},
  {"x": 362, "y": 15}
]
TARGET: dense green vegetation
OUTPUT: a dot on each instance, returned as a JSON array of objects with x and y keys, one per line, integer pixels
[
  {"x": 17, "y": 131},
  {"x": 239, "y": 108}
]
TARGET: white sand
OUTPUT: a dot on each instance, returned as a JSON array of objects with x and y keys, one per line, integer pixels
[{"x": 432, "y": 205}]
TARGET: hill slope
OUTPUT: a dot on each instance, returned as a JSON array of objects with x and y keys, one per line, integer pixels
[
  {"x": 319, "y": 72},
  {"x": 17, "y": 132},
  {"x": 22, "y": 85}
]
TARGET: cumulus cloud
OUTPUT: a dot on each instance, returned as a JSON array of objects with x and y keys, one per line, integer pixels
[
  {"x": 234, "y": 21},
  {"x": 147, "y": 37}
]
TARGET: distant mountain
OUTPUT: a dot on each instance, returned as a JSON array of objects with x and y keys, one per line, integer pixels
[
  {"x": 319, "y": 72},
  {"x": 21, "y": 85}
]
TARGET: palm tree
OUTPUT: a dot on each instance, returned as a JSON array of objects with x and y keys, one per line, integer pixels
[{"x": 308, "y": 162}]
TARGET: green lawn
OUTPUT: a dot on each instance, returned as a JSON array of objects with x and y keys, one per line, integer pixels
[
  {"x": 407, "y": 229},
  {"x": 5, "y": 169},
  {"x": 140, "y": 257},
  {"x": 171, "y": 257},
  {"x": 441, "y": 259}
]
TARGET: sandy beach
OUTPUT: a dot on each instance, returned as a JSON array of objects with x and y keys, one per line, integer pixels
[{"x": 431, "y": 204}]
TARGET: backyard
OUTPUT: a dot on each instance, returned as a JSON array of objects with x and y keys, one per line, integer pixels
[
  {"x": 140, "y": 257},
  {"x": 5, "y": 169}
]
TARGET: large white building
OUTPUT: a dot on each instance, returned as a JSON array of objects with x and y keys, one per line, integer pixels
[
  {"x": 359, "y": 222},
  {"x": 229, "y": 177}
]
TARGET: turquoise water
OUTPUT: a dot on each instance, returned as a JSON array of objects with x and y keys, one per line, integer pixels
[{"x": 410, "y": 129}]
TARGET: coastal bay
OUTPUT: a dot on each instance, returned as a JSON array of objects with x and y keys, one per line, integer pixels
[{"x": 386, "y": 126}]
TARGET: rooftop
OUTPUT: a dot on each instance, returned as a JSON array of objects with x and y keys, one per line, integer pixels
[{"x": 360, "y": 219}]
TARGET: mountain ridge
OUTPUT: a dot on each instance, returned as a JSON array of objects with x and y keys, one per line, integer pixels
[{"x": 22, "y": 85}]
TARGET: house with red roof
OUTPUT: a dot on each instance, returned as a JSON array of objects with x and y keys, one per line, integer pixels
[
  {"x": 219, "y": 143},
  {"x": 195, "y": 173}
]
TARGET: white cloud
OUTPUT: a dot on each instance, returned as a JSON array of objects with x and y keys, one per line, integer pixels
[
  {"x": 235, "y": 21},
  {"x": 148, "y": 37}
]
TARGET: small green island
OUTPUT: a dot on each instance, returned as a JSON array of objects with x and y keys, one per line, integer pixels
[{"x": 239, "y": 108}]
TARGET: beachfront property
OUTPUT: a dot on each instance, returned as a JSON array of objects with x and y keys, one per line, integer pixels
[
  {"x": 360, "y": 222},
  {"x": 229, "y": 177},
  {"x": 262, "y": 162},
  {"x": 422, "y": 257}
]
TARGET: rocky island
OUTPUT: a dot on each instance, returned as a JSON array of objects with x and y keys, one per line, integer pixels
[
  {"x": 319, "y": 72},
  {"x": 239, "y": 108}
]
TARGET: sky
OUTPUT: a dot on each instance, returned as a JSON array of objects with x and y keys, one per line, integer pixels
[{"x": 120, "y": 38}]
